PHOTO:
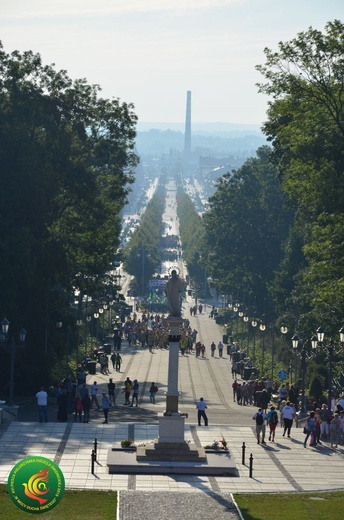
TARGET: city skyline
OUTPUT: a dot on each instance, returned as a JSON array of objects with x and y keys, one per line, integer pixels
[{"x": 151, "y": 52}]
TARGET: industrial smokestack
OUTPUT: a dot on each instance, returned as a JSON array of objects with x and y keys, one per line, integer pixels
[{"x": 187, "y": 137}]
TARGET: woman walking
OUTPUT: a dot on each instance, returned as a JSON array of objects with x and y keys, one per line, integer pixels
[
  {"x": 288, "y": 415},
  {"x": 311, "y": 425},
  {"x": 335, "y": 427},
  {"x": 272, "y": 422}
]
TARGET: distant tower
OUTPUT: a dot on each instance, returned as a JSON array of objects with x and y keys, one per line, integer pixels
[{"x": 187, "y": 141}]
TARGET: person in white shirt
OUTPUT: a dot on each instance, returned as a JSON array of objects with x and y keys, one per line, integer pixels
[
  {"x": 288, "y": 415},
  {"x": 201, "y": 407},
  {"x": 94, "y": 399},
  {"x": 42, "y": 402}
]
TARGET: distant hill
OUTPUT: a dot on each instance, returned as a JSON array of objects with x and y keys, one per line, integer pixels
[
  {"x": 207, "y": 138},
  {"x": 227, "y": 129}
]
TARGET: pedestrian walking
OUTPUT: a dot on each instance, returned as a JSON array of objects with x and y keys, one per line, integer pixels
[
  {"x": 135, "y": 393},
  {"x": 94, "y": 399},
  {"x": 201, "y": 407},
  {"x": 310, "y": 429},
  {"x": 118, "y": 362},
  {"x": 152, "y": 391},
  {"x": 325, "y": 416},
  {"x": 260, "y": 417},
  {"x": 86, "y": 406},
  {"x": 234, "y": 387},
  {"x": 106, "y": 407},
  {"x": 287, "y": 416},
  {"x": 220, "y": 347},
  {"x": 111, "y": 391},
  {"x": 127, "y": 390},
  {"x": 212, "y": 348},
  {"x": 272, "y": 422},
  {"x": 335, "y": 427},
  {"x": 42, "y": 403},
  {"x": 77, "y": 408}
]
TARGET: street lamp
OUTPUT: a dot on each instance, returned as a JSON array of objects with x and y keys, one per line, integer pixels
[
  {"x": 299, "y": 346},
  {"x": 12, "y": 347},
  {"x": 262, "y": 327},
  {"x": 254, "y": 324},
  {"x": 79, "y": 323},
  {"x": 330, "y": 348},
  {"x": 89, "y": 333},
  {"x": 96, "y": 316},
  {"x": 246, "y": 318}
]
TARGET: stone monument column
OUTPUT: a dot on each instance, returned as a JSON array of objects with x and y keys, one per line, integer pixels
[{"x": 172, "y": 393}]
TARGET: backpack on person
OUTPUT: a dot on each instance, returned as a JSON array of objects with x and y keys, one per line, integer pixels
[
  {"x": 259, "y": 419},
  {"x": 274, "y": 418}
]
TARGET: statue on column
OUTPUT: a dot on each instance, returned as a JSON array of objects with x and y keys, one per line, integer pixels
[{"x": 173, "y": 290}]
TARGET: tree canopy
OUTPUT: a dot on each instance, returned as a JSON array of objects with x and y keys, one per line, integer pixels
[
  {"x": 67, "y": 160},
  {"x": 245, "y": 226},
  {"x": 305, "y": 80}
]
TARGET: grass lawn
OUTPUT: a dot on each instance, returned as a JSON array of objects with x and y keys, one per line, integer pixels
[
  {"x": 296, "y": 506},
  {"x": 75, "y": 505},
  {"x": 102, "y": 505}
]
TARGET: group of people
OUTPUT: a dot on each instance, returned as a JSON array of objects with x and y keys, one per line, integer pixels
[
  {"x": 271, "y": 419},
  {"x": 219, "y": 347},
  {"x": 196, "y": 308},
  {"x": 320, "y": 424}
]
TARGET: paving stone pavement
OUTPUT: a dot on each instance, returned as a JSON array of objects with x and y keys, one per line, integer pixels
[
  {"x": 165, "y": 506},
  {"x": 284, "y": 466}
]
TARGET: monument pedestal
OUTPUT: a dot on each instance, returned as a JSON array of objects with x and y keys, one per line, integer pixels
[{"x": 171, "y": 429}]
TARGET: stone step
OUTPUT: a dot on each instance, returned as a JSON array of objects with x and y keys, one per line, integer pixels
[{"x": 171, "y": 454}]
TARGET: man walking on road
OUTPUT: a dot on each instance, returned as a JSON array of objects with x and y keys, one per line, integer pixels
[
  {"x": 94, "y": 399},
  {"x": 42, "y": 402},
  {"x": 201, "y": 407},
  {"x": 260, "y": 418}
]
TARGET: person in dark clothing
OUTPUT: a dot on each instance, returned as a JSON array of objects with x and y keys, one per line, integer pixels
[
  {"x": 111, "y": 391},
  {"x": 264, "y": 400},
  {"x": 86, "y": 406},
  {"x": 62, "y": 400}
]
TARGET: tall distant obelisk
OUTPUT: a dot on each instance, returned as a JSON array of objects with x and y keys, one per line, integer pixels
[{"x": 187, "y": 137}]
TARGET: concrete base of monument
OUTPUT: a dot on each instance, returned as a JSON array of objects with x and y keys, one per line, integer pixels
[
  {"x": 171, "y": 428},
  {"x": 170, "y": 458}
]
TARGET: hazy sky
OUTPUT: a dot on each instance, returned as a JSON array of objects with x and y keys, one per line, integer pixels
[{"x": 150, "y": 52}]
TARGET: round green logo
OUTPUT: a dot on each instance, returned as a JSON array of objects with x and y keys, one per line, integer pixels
[{"x": 36, "y": 484}]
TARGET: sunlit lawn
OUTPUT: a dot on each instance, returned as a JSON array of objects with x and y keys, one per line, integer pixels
[
  {"x": 102, "y": 505},
  {"x": 75, "y": 505},
  {"x": 297, "y": 506}
]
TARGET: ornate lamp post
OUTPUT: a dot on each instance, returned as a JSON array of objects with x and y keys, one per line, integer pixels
[
  {"x": 254, "y": 324},
  {"x": 79, "y": 323},
  {"x": 11, "y": 345},
  {"x": 96, "y": 316},
  {"x": 89, "y": 333},
  {"x": 246, "y": 318},
  {"x": 299, "y": 346},
  {"x": 330, "y": 349},
  {"x": 262, "y": 327}
]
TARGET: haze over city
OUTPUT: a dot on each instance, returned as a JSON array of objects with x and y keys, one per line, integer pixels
[{"x": 150, "y": 52}]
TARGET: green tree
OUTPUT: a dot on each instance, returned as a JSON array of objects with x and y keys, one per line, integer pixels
[
  {"x": 142, "y": 255},
  {"x": 245, "y": 226},
  {"x": 67, "y": 161},
  {"x": 305, "y": 80},
  {"x": 191, "y": 234}
]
